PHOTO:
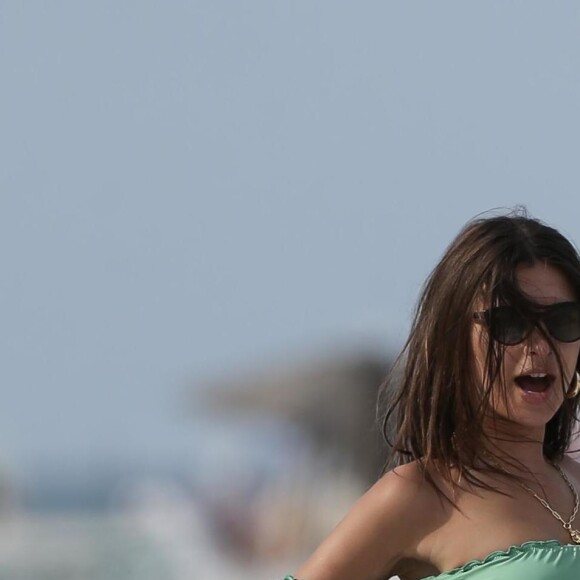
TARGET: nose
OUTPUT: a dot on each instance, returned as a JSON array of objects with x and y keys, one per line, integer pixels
[{"x": 538, "y": 343}]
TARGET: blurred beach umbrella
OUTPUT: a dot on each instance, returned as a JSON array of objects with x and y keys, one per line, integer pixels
[{"x": 331, "y": 398}]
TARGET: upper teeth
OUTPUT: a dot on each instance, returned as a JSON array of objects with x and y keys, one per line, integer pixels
[{"x": 538, "y": 375}]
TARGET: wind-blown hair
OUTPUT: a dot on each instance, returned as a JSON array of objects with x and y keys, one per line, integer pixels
[{"x": 431, "y": 407}]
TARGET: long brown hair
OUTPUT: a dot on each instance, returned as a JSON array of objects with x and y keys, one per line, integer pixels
[{"x": 428, "y": 410}]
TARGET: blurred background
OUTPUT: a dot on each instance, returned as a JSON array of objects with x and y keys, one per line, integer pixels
[{"x": 215, "y": 219}]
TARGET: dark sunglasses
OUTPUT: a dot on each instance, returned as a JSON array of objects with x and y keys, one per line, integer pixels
[{"x": 508, "y": 326}]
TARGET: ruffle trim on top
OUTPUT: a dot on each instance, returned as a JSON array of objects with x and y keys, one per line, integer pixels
[
  {"x": 500, "y": 555},
  {"x": 495, "y": 556}
]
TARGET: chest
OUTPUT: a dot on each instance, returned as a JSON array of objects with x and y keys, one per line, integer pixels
[
  {"x": 490, "y": 521},
  {"x": 485, "y": 522}
]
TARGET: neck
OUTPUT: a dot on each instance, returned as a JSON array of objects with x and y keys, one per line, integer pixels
[{"x": 517, "y": 448}]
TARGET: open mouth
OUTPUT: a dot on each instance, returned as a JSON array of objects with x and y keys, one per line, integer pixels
[{"x": 535, "y": 382}]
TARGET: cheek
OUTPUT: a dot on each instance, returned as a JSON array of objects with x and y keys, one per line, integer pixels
[
  {"x": 511, "y": 360},
  {"x": 569, "y": 353},
  {"x": 479, "y": 350},
  {"x": 510, "y": 365},
  {"x": 480, "y": 346}
]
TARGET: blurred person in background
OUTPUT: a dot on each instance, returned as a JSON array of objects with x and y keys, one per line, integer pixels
[{"x": 480, "y": 421}]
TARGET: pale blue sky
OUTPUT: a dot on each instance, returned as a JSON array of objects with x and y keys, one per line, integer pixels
[{"x": 194, "y": 188}]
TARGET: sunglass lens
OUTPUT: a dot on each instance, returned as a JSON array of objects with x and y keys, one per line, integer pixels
[
  {"x": 507, "y": 326},
  {"x": 563, "y": 321}
]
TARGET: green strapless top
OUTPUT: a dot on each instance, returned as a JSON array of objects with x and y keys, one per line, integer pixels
[{"x": 535, "y": 560}]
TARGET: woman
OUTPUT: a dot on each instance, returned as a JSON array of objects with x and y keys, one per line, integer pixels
[{"x": 483, "y": 417}]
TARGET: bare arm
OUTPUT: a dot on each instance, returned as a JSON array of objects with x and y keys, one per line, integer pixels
[{"x": 384, "y": 525}]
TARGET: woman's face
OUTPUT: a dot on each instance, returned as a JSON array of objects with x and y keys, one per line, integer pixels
[{"x": 530, "y": 369}]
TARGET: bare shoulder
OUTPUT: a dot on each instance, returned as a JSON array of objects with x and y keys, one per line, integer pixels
[
  {"x": 382, "y": 528},
  {"x": 402, "y": 496},
  {"x": 406, "y": 485}
]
